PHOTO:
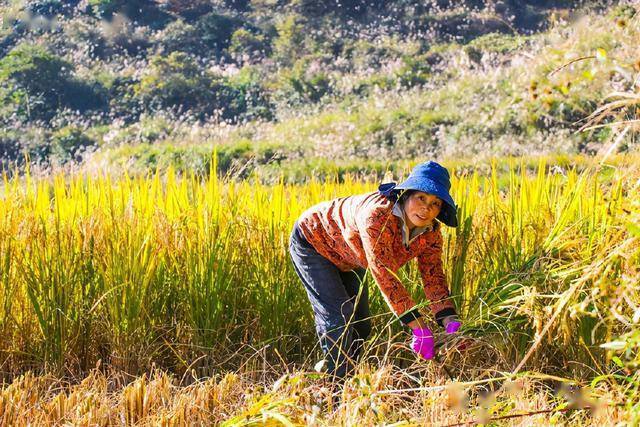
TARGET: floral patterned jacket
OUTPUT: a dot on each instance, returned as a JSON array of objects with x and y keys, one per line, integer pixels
[{"x": 362, "y": 231}]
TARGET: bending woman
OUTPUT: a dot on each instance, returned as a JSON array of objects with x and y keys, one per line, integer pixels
[{"x": 333, "y": 243}]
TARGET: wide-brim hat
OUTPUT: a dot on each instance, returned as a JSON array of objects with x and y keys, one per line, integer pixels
[{"x": 431, "y": 178}]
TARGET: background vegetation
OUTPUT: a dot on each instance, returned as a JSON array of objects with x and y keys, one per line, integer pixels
[{"x": 277, "y": 86}]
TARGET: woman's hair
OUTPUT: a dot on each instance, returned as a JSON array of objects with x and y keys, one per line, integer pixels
[
  {"x": 388, "y": 190},
  {"x": 404, "y": 195}
]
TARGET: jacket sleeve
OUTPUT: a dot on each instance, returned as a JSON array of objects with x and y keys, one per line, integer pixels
[
  {"x": 434, "y": 281},
  {"x": 376, "y": 239}
]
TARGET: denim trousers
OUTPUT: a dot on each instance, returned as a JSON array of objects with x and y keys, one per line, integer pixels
[{"x": 340, "y": 303}]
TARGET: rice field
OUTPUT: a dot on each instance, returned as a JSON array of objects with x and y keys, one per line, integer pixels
[{"x": 170, "y": 300}]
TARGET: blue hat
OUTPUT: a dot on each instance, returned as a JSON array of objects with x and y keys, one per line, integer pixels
[{"x": 431, "y": 178}]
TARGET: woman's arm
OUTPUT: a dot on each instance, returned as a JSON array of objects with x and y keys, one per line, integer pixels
[
  {"x": 376, "y": 240},
  {"x": 434, "y": 280}
]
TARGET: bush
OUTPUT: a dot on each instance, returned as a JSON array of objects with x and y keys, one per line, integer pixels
[
  {"x": 624, "y": 11},
  {"x": 141, "y": 10},
  {"x": 237, "y": 4},
  {"x": 289, "y": 44},
  {"x": 36, "y": 70},
  {"x": 83, "y": 36},
  {"x": 414, "y": 71},
  {"x": 19, "y": 140},
  {"x": 215, "y": 30},
  {"x": 50, "y": 8},
  {"x": 366, "y": 86},
  {"x": 321, "y": 7},
  {"x": 144, "y": 156},
  {"x": 177, "y": 84},
  {"x": 248, "y": 45},
  {"x": 122, "y": 34},
  {"x": 39, "y": 83},
  {"x": 9, "y": 146},
  {"x": 105, "y": 8},
  {"x": 306, "y": 84},
  {"x": 123, "y": 101},
  {"x": 188, "y": 9},
  {"x": 69, "y": 143},
  {"x": 498, "y": 43},
  {"x": 179, "y": 36},
  {"x": 257, "y": 104}
]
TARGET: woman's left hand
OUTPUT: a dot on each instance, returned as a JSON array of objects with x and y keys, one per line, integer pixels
[{"x": 451, "y": 324}]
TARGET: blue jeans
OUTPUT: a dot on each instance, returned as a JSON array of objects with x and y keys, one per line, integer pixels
[{"x": 341, "y": 315}]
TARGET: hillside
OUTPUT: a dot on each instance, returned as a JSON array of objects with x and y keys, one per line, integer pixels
[{"x": 276, "y": 87}]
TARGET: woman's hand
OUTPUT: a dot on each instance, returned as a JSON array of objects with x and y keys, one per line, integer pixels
[
  {"x": 422, "y": 342},
  {"x": 451, "y": 324}
]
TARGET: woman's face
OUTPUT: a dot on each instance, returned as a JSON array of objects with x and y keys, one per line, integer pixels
[{"x": 421, "y": 209}]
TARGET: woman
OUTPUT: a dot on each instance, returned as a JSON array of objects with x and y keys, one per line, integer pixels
[{"x": 333, "y": 243}]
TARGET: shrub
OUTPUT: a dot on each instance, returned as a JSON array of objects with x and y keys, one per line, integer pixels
[
  {"x": 498, "y": 42},
  {"x": 248, "y": 45},
  {"x": 83, "y": 36},
  {"x": 9, "y": 146},
  {"x": 179, "y": 36},
  {"x": 122, "y": 34},
  {"x": 40, "y": 82},
  {"x": 192, "y": 9},
  {"x": 142, "y": 10},
  {"x": 123, "y": 102},
  {"x": 306, "y": 84},
  {"x": 413, "y": 72},
  {"x": 625, "y": 11},
  {"x": 231, "y": 156},
  {"x": 172, "y": 81},
  {"x": 288, "y": 46},
  {"x": 69, "y": 143},
  {"x": 368, "y": 85},
  {"x": 215, "y": 30},
  {"x": 237, "y": 4},
  {"x": 33, "y": 68},
  {"x": 176, "y": 83},
  {"x": 321, "y": 7},
  {"x": 118, "y": 93},
  {"x": 20, "y": 140},
  {"x": 188, "y": 9},
  {"x": 50, "y": 7},
  {"x": 257, "y": 103},
  {"x": 105, "y": 8}
]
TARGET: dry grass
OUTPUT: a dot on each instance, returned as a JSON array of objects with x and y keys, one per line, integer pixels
[{"x": 418, "y": 395}]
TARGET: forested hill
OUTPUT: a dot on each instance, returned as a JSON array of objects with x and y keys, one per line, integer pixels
[{"x": 280, "y": 85}]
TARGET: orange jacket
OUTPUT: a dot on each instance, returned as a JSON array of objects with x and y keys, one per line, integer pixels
[{"x": 362, "y": 231}]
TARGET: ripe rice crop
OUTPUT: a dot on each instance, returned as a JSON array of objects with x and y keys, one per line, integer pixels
[{"x": 192, "y": 275}]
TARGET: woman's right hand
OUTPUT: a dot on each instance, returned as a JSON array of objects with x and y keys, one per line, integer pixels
[{"x": 422, "y": 342}]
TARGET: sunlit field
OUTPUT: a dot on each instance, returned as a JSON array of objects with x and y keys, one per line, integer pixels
[
  {"x": 154, "y": 156},
  {"x": 108, "y": 278}
]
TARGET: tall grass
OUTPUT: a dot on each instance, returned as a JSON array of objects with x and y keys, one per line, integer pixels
[{"x": 185, "y": 272}]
